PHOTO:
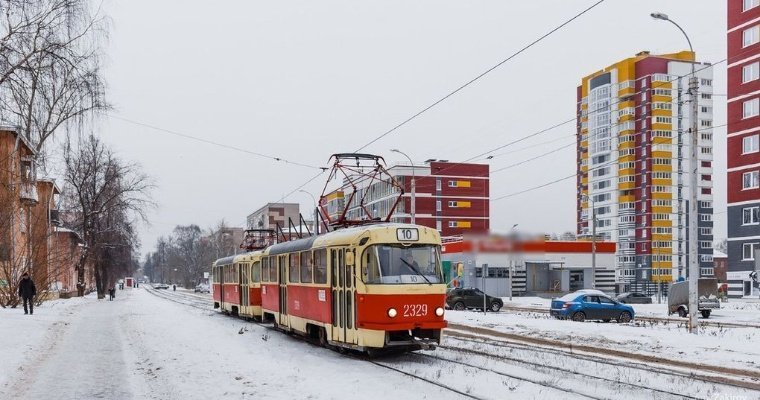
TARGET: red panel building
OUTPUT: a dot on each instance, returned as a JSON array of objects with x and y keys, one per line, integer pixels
[
  {"x": 743, "y": 150},
  {"x": 450, "y": 197}
]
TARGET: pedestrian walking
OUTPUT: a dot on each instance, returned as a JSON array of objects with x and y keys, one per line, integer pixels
[
  {"x": 111, "y": 293},
  {"x": 174, "y": 288},
  {"x": 27, "y": 291}
]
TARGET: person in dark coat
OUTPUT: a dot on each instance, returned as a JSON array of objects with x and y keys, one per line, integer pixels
[
  {"x": 111, "y": 293},
  {"x": 27, "y": 291}
]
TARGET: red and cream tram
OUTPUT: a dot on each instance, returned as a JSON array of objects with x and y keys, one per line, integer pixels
[
  {"x": 237, "y": 285},
  {"x": 364, "y": 288}
]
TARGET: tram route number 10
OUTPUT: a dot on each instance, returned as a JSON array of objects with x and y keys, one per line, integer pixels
[
  {"x": 415, "y": 310},
  {"x": 407, "y": 234}
]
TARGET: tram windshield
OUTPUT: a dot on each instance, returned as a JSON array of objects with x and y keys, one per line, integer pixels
[{"x": 385, "y": 264}]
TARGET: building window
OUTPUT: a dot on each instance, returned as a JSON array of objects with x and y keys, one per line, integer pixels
[
  {"x": 705, "y": 244},
  {"x": 438, "y": 205},
  {"x": 748, "y": 251},
  {"x": 705, "y": 150},
  {"x": 750, "y": 4},
  {"x": 751, "y": 144},
  {"x": 751, "y": 108},
  {"x": 706, "y": 82},
  {"x": 705, "y": 109},
  {"x": 663, "y": 120},
  {"x": 438, "y": 225},
  {"x": 706, "y": 96},
  {"x": 706, "y": 123},
  {"x": 706, "y": 204},
  {"x": 750, "y": 72},
  {"x": 750, "y": 36},
  {"x": 438, "y": 185},
  {"x": 705, "y": 231},
  {"x": 750, "y": 215},
  {"x": 751, "y": 180}
]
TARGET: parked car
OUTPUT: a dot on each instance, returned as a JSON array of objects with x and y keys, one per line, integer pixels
[
  {"x": 161, "y": 286},
  {"x": 634, "y": 298},
  {"x": 461, "y": 299},
  {"x": 580, "y": 306},
  {"x": 203, "y": 288}
]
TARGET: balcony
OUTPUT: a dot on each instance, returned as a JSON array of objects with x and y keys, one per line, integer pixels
[{"x": 28, "y": 194}]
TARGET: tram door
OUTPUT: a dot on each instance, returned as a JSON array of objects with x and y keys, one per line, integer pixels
[
  {"x": 342, "y": 283},
  {"x": 244, "y": 293},
  {"x": 282, "y": 279}
]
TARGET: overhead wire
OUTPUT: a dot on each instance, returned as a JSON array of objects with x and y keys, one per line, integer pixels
[
  {"x": 211, "y": 142},
  {"x": 476, "y": 78}
]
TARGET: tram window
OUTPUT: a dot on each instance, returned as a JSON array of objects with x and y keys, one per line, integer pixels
[
  {"x": 306, "y": 267},
  {"x": 340, "y": 269},
  {"x": 348, "y": 312},
  {"x": 256, "y": 271},
  {"x": 334, "y": 264},
  {"x": 283, "y": 261},
  {"x": 320, "y": 266},
  {"x": 265, "y": 269},
  {"x": 394, "y": 264},
  {"x": 293, "y": 271},
  {"x": 335, "y": 308},
  {"x": 348, "y": 275}
]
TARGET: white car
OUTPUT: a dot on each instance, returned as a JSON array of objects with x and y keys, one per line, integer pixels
[{"x": 203, "y": 288}]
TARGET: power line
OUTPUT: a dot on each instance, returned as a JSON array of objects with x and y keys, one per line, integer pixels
[
  {"x": 473, "y": 80},
  {"x": 206, "y": 141}
]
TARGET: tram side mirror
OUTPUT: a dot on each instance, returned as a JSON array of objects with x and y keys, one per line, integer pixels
[{"x": 349, "y": 258}]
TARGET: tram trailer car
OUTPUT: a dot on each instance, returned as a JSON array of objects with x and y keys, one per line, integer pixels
[
  {"x": 236, "y": 285},
  {"x": 366, "y": 288}
]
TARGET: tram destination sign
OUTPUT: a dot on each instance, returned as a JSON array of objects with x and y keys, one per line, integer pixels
[{"x": 407, "y": 234}]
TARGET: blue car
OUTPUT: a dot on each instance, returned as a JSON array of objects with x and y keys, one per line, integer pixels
[{"x": 580, "y": 306}]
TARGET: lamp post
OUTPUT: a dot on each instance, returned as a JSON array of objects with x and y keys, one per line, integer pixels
[
  {"x": 693, "y": 165},
  {"x": 511, "y": 260},
  {"x": 593, "y": 240},
  {"x": 411, "y": 163},
  {"x": 316, "y": 210}
]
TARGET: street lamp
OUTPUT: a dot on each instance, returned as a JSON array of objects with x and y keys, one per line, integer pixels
[
  {"x": 412, "y": 164},
  {"x": 593, "y": 240},
  {"x": 316, "y": 210},
  {"x": 511, "y": 259},
  {"x": 693, "y": 205}
]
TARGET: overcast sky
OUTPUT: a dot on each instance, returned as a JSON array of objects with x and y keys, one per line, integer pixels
[{"x": 301, "y": 80}]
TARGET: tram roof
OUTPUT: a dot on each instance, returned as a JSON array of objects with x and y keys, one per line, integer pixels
[{"x": 225, "y": 260}]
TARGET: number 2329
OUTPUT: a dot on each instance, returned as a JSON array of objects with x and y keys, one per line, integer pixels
[{"x": 415, "y": 310}]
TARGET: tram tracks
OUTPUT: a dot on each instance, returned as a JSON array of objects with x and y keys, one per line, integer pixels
[
  {"x": 690, "y": 372},
  {"x": 488, "y": 361}
]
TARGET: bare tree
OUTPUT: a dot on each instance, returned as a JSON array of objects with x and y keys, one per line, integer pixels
[
  {"x": 49, "y": 65},
  {"x": 104, "y": 195}
]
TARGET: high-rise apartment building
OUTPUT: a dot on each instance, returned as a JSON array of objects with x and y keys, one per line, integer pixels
[
  {"x": 743, "y": 133},
  {"x": 633, "y": 162}
]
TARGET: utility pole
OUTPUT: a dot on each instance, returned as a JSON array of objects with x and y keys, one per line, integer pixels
[
  {"x": 484, "y": 272},
  {"x": 693, "y": 209},
  {"x": 593, "y": 241}
]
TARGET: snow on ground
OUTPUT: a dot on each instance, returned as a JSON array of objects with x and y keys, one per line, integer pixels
[
  {"x": 734, "y": 310},
  {"x": 729, "y": 347},
  {"x": 142, "y": 346}
]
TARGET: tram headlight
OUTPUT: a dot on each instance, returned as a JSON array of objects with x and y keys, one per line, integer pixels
[
  {"x": 392, "y": 312},
  {"x": 439, "y": 311}
]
